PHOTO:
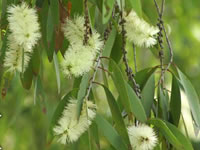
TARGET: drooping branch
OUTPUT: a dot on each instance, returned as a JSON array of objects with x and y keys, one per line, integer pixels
[
  {"x": 162, "y": 28},
  {"x": 128, "y": 70},
  {"x": 87, "y": 27},
  {"x": 135, "y": 60}
]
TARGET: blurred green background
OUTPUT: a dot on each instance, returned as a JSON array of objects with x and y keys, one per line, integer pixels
[{"x": 24, "y": 126}]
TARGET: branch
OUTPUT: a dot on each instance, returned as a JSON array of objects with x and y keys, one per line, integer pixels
[
  {"x": 134, "y": 55},
  {"x": 162, "y": 28},
  {"x": 128, "y": 70}
]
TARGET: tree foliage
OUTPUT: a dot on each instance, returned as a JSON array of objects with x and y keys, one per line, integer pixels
[{"x": 125, "y": 92}]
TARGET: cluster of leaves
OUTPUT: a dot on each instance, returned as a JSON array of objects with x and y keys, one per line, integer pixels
[{"x": 163, "y": 113}]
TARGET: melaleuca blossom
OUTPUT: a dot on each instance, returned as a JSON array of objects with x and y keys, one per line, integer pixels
[
  {"x": 69, "y": 129},
  {"x": 14, "y": 56},
  {"x": 142, "y": 137},
  {"x": 24, "y": 34},
  {"x": 139, "y": 31},
  {"x": 79, "y": 58},
  {"x": 24, "y": 26}
]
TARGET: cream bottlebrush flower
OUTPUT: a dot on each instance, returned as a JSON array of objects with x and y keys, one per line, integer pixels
[
  {"x": 69, "y": 129},
  {"x": 139, "y": 31},
  {"x": 142, "y": 137},
  {"x": 79, "y": 58},
  {"x": 14, "y": 56},
  {"x": 74, "y": 33},
  {"x": 24, "y": 26},
  {"x": 74, "y": 29},
  {"x": 77, "y": 62}
]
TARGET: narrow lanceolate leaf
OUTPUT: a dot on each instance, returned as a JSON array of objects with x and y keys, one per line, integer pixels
[
  {"x": 110, "y": 133},
  {"x": 104, "y": 77},
  {"x": 55, "y": 60},
  {"x": 136, "y": 105},
  {"x": 43, "y": 19},
  {"x": 116, "y": 115},
  {"x": 175, "y": 102},
  {"x": 81, "y": 93},
  {"x": 166, "y": 132},
  {"x": 27, "y": 77},
  {"x": 54, "y": 6},
  {"x": 107, "y": 10},
  {"x": 36, "y": 60},
  {"x": 50, "y": 35},
  {"x": 116, "y": 53},
  {"x": 109, "y": 43},
  {"x": 143, "y": 76},
  {"x": 3, "y": 48},
  {"x": 64, "y": 47},
  {"x": 148, "y": 94},
  {"x": 4, "y": 6},
  {"x": 77, "y": 7},
  {"x": 192, "y": 96},
  {"x": 35, "y": 90},
  {"x": 183, "y": 140},
  {"x": 163, "y": 103},
  {"x": 58, "y": 112},
  {"x": 95, "y": 134},
  {"x": 120, "y": 85},
  {"x": 136, "y": 6}
]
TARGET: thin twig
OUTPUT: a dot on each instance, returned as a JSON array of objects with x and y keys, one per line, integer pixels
[
  {"x": 128, "y": 70},
  {"x": 170, "y": 49},
  {"x": 134, "y": 55},
  {"x": 87, "y": 27},
  {"x": 162, "y": 27},
  {"x": 93, "y": 77}
]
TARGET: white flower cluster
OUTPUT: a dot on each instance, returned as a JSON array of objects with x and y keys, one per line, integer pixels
[
  {"x": 139, "y": 31},
  {"x": 79, "y": 58},
  {"x": 69, "y": 129},
  {"x": 24, "y": 34},
  {"x": 142, "y": 137}
]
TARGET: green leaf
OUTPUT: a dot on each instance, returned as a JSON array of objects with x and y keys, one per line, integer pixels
[
  {"x": 109, "y": 43},
  {"x": 58, "y": 112},
  {"x": 135, "y": 5},
  {"x": 64, "y": 47},
  {"x": 120, "y": 85},
  {"x": 192, "y": 96},
  {"x": 104, "y": 77},
  {"x": 92, "y": 10},
  {"x": 148, "y": 94},
  {"x": 35, "y": 90},
  {"x": 54, "y": 6},
  {"x": 3, "y": 47},
  {"x": 36, "y": 60},
  {"x": 116, "y": 53},
  {"x": 163, "y": 103},
  {"x": 107, "y": 10},
  {"x": 27, "y": 77},
  {"x": 81, "y": 93},
  {"x": 4, "y": 6},
  {"x": 175, "y": 102},
  {"x": 142, "y": 76},
  {"x": 110, "y": 133},
  {"x": 117, "y": 117},
  {"x": 56, "y": 65},
  {"x": 163, "y": 128},
  {"x": 183, "y": 140},
  {"x": 50, "y": 36},
  {"x": 136, "y": 105},
  {"x": 43, "y": 19},
  {"x": 95, "y": 134},
  {"x": 77, "y": 7}
]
